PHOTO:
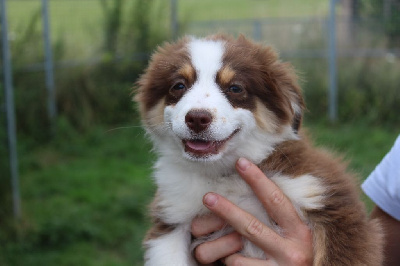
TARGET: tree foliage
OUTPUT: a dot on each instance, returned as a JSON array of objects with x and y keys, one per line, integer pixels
[{"x": 387, "y": 11}]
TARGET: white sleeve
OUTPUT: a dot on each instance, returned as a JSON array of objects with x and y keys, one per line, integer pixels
[{"x": 383, "y": 184}]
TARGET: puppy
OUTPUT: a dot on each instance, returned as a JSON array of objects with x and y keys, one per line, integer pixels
[{"x": 207, "y": 102}]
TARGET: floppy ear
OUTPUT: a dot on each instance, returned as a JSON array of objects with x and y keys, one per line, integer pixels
[
  {"x": 281, "y": 81},
  {"x": 297, "y": 106},
  {"x": 297, "y": 115},
  {"x": 294, "y": 95}
]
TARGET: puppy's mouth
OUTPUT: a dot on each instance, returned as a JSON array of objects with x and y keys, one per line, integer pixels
[{"x": 201, "y": 148}]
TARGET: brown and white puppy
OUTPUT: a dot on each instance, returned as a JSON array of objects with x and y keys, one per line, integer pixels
[{"x": 207, "y": 102}]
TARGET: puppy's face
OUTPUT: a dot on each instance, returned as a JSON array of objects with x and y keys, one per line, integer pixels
[{"x": 218, "y": 97}]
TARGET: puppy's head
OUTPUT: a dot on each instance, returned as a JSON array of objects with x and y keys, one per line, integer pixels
[{"x": 219, "y": 97}]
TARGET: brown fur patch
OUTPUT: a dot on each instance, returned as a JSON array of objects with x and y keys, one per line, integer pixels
[
  {"x": 164, "y": 69},
  {"x": 263, "y": 75},
  {"x": 342, "y": 231}
]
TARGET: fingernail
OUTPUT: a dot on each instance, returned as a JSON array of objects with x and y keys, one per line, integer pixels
[
  {"x": 243, "y": 164},
  {"x": 210, "y": 199}
]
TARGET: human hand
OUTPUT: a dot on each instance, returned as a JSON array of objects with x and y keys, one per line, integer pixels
[{"x": 294, "y": 248}]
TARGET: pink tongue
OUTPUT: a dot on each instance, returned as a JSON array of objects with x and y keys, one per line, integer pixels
[{"x": 199, "y": 145}]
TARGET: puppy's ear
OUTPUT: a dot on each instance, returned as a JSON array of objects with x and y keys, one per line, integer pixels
[
  {"x": 292, "y": 93},
  {"x": 297, "y": 117},
  {"x": 296, "y": 103}
]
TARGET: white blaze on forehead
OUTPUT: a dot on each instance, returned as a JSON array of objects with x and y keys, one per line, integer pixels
[{"x": 206, "y": 56}]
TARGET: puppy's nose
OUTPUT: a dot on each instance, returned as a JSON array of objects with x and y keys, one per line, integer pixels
[{"x": 198, "y": 120}]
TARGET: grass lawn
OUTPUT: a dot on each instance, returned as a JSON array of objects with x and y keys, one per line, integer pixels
[
  {"x": 85, "y": 197},
  {"x": 84, "y": 200}
]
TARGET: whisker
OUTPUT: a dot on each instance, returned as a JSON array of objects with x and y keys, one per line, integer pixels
[{"x": 118, "y": 128}]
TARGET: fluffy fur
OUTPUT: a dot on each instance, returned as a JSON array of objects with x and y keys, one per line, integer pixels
[{"x": 207, "y": 102}]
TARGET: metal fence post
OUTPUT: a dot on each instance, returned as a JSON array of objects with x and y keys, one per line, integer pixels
[
  {"x": 333, "y": 110},
  {"x": 51, "y": 94},
  {"x": 10, "y": 112},
  {"x": 174, "y": 19}
]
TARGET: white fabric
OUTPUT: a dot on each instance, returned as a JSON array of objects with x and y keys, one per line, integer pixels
[{"x": 383, "y": 184}]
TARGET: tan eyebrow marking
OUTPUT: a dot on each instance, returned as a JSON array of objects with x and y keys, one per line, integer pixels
[
  {"x": 226, "y": 75},
  {"x": 188, "y": 72}
]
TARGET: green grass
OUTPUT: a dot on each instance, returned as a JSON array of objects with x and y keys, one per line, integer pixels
[
  {"x": 84, "y": 200},
  {"x": 84, "y": 197},
  {"x": 360, "y": 144}
]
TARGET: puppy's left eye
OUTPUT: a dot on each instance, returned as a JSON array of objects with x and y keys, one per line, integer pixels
[
  {"x": 177, "y": 90},
  {"x": 235, "y": 89},
  {"x": 179, "y": 86}
]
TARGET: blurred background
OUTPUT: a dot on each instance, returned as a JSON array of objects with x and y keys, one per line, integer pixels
[{"x": 75, "y": 166}]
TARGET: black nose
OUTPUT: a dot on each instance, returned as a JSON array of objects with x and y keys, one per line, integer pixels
[{"x": 198, "y": 120}]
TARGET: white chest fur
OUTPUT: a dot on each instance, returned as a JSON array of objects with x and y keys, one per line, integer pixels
[{"x": 181, "y": 190}]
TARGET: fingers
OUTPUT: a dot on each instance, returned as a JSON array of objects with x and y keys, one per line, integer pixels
[
  {"x": 278, "y": 206},
  {"x": 244, "y": 223},
  {"x": 212, "y": 251},
  {"x": 206, "y": 224},
  {"x": 294, "y": 248}
]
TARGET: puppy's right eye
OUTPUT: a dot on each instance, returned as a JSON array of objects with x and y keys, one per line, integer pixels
[
  {"x": 177, "y": 90},
  {"x": 179, "y": 86}
]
